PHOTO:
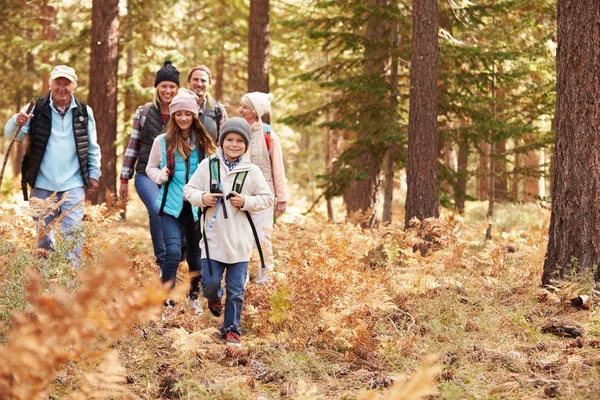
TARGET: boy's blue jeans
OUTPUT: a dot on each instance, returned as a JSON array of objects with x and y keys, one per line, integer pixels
[
  {"x": 148, "y": 192},
  {"x": 235, "y": 281},
  {"x": 173, "y": 229},
  {"x": 72, "y": 215}
]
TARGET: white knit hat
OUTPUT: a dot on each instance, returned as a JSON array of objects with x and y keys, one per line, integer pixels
[
  {"x": 259, "y": 102},
  {"x": 185, "y": 100}
]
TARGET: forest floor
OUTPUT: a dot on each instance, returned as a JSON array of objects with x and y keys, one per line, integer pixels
[{"x": 352, "y": 314}]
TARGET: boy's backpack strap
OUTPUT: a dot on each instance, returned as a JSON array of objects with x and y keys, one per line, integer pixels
[
  {"x": 267, "y": 129},
  {"x": 260, "y": 253}
]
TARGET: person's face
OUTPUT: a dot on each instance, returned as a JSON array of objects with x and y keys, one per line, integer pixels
[
  {"x": 233, "y": 145},
  {"x": 166, "y": 91},
  {"x": 199, "y": 83},
  {"x": 184, "y": 120},
  {"x": 247, "y": 114},
  {"x": 62, "y": 89}
]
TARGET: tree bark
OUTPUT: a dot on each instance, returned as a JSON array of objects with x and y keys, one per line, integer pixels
[
  {"x": 104, "y": 58},
  {"x": 459, "y": 196},
  {"x": 258, "y": 46},
  {"x": 49, "y": 34},
  {"x": 574, "y": 234},
  {"x": 422, "y": 181},
  {"x": 388, "y": 197}
]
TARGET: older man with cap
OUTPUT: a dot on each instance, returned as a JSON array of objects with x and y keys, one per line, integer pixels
[
  {"x": 211, "y": 114},
  {"x": 63, "y": 157}
]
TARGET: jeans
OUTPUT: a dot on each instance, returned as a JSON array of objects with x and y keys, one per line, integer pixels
[
  {"x": 235, "y": 282},
  {"x": 72, "y": 215},
  {"x": 148, "y": 192},
  {"x": 173, "y": 229}
]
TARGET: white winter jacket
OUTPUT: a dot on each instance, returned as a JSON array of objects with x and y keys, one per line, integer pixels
[{"x": 229, "y": 240}]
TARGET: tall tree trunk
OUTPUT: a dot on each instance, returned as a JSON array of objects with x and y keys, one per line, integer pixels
[
  {"x": 362, "y": 195},
  {"x": 483, "y": 176},
  {"x": 49, "y": 34},
  {"x": 516, "y": 175},
  {"x": 258, "y": 46},
  {"x": 531, "y": 185},
  {"x": 219, "y": 74},
  {"x": 574, "y": 235},
  {"x": 388, "y": 197},
  {"x": 500, "y": 182},
  {"x": 422, "y": 181},
  {"x": 104, "y": 58},
  {"x": 461, "y": 181}
]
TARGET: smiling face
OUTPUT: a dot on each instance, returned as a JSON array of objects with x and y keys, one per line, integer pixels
[
  {"x": 246, "y": 113},
  {"x": 184, "y": 120},
  {"x": 199, "y": 83},
  {"x": 166, "y": 91},
  {"x": 234, "y": 146},
  {"x": 62, "y": 89}
]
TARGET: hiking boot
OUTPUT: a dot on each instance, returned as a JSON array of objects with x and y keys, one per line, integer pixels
[
  {"x": 233, "y": 339},
  {"x": 195, "y": 306},
  {"x": 216, "y": 308},
  {"x": 168, "y": 310},
  {"x": 264, "y": 276}
]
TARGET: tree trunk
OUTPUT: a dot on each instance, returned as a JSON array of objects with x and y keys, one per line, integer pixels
[
  {"x": 483, "y": 176},
  {"x": 531, "y": 185},
  {"x": 49, "y": 34},
  {"x": 516, "y": 175},
  {"x": 388, "y": 197},
  {"x": 258, "y": 46},
  {"x": 574, "y": 234},
  {"x": 500, "y": 181},
  {"x": 422, "y": 181},
  {"x": 104, "y": 58},
  {"x": 459, "y": 196}
]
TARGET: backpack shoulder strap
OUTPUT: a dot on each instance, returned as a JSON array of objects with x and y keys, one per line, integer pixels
[
  {"x": 267, "y": 129},
  {"x": 145, "y": 112}
]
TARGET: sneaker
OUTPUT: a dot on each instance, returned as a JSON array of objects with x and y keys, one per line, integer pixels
[
  {"x": 264, "y": 276},
  {"x": 233, "y": 339},
  {"x": 195, "y": 306},
  {"x": 216, "y": 308}
]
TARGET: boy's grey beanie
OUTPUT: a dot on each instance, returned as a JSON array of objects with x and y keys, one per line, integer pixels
[{"x": 237, "y": 125}]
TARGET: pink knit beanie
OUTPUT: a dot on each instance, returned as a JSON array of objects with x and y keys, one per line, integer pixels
[
  {"x": 185, "y": 100},
  {"x": 201, "y": 67}
]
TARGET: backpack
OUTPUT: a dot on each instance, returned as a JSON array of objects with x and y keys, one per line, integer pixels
[
  {"x": 215, "y": 187},
  {"x": 144, "y": 114},
  {"x": 267, "y": 129}
]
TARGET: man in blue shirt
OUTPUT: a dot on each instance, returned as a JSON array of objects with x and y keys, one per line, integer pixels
[{"x": 63, "y": 157}]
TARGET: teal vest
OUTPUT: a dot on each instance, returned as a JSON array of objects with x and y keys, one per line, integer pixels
[{"x": 184, "y": 169}]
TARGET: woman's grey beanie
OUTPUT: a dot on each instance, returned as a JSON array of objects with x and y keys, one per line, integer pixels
[{"x": 237, "y": 125}]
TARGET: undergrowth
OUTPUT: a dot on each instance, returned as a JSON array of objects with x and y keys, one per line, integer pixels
[{"x": 351, "y": 314}]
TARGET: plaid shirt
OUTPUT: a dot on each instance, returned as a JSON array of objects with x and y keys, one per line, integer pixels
[{"x": 133, "y": 147}]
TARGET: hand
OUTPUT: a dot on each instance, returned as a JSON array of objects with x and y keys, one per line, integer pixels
[
  {"x": 123, "y": 191},
  {"x": 237, "y": 199},
  {"x": 211, "y": 199},
  {"x": 280, "y": 208},
  {"x": 22, "y": 118},
  {"x": 92, "y": 186}
]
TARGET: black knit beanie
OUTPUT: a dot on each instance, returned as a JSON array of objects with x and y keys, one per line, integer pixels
[{"x": 167, "y": 73}]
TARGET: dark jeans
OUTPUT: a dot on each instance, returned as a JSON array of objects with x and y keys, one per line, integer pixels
[
  {"x": 173, "y": 229},
  {"x": 148, "y": 192},
  {"x": 235, "y": 282}
]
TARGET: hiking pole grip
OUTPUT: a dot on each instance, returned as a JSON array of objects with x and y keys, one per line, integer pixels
[{"x": 12, "y": 142}]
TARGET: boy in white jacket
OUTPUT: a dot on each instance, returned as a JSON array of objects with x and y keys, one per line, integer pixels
[{"x": 227, "y": 238}]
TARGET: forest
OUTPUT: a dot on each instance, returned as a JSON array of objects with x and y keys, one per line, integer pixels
[{"x": 442, "y": 232}]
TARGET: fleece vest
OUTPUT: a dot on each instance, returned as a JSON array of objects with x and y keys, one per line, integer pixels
[
  {"x": 151, "y": 128},
  {"x": 41, "y": 128},
  {"x": 170, "y": 197},
  {"x": 259, "y": 154}
]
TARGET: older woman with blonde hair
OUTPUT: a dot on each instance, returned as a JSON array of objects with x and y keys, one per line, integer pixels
[
  {"x": 149, "y": 121},
  {"x": 265, "y": 151}
]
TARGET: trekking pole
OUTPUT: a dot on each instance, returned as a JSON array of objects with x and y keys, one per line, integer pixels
[{"x": 12, "y": 142}]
